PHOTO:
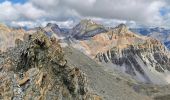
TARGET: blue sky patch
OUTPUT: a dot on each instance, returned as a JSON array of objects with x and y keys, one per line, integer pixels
[
  {"x": 15, "y": 1},
  {"x": 163, "y": 11}
]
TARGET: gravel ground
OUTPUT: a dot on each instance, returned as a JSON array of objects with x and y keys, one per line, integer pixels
[{"x": 104, "y": 83}]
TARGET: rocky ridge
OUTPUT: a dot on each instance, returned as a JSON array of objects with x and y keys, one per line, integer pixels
[
  {"x": 144, "y": 58},
  {"x": 36, "y": 69}
]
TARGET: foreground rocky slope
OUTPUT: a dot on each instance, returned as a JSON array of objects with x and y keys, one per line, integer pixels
[{"x": 36, "y": 70}]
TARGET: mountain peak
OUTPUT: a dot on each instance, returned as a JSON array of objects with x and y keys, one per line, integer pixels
[
  {"x": 52, "y": 25},
  {"x": 87, "y": 28},
  {"x": 87, "y": 21},
  {"x": 121, "y": 29},
  {"x": 122, "y": 25}
]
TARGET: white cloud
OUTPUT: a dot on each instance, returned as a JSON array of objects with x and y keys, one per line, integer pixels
[
  {"x": 30, "y": 24},
  {"x": 33, "y": 24},
  {"x": 48, "y": 4},
  {"x": 14, "y": 12},
  {"x": 7, "y": 12},
  {"x": 62, "y": 24},
  {"x": 29, "y": 11},
  {"x": 142, "y": 11},
  {"x": 145, "y": 12}
]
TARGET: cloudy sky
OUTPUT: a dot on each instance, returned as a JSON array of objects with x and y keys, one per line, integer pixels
[{"x": 68, "y": 12}]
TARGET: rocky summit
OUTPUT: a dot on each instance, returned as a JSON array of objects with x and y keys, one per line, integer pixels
[{"x": 36, "y": 70}]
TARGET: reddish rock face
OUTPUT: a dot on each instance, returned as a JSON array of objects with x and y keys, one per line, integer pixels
[
  {"x": 119, "y": 37},
  {"x": 137, "y": 55}
]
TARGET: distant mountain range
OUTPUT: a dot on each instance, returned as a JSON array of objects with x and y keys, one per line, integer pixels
[
  {"x": 160, "y": 34},
  {"x": 144, "y": 58}
]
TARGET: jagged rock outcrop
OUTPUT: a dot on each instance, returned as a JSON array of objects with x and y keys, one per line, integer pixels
[
  {"x": 140, "y": 60},
  {"x": 121, "y": 29},
  {"x": 53, "y": 30},
  {"x": 36, "y": 70}
]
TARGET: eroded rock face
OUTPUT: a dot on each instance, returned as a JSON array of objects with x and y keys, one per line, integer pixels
[
  {"x": 144, "y": 58},
  {"x": 36, "y": 70},
  {"x": 140, "y": 59}
]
